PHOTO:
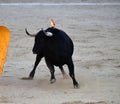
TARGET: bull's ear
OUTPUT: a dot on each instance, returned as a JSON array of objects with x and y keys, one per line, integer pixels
[{"x": 49, "y": 34}]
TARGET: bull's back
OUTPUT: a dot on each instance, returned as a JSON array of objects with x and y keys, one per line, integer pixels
[{"x": 59, "y": 48}]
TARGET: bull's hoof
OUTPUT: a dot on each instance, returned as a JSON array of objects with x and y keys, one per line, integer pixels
[
  {"x": 76, "y": 86},
  {"x": 26, "y": 78},
  {"x": 52, "y": 81}
]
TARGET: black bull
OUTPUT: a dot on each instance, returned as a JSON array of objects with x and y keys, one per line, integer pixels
[{"x": 57, "y": 49}]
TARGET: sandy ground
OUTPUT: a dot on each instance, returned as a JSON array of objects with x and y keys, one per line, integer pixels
[{"x": 95, "y": 31}]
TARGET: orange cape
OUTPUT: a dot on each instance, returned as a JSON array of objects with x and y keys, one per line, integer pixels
[{"x": 4, "y": 42}]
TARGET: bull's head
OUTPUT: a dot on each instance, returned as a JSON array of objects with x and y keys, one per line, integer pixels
[
  {"x": 39, "y": 40},
  {"x": 49, "y": 34}
]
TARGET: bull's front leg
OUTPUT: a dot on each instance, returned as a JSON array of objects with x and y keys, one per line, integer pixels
[
  {"x": 52, "y": 71},
  {"x": 32, "y": 73}
]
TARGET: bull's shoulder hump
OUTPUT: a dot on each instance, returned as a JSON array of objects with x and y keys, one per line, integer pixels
[
  {"x": 59, "y": 34},
  {"x": 57, "y": 31}
]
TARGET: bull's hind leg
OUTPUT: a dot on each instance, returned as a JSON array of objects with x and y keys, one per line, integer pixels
[
  {"x": 52, "y": 71},
  {"x": 63, "y": 72},
  {"x": 71, "y": 73}
]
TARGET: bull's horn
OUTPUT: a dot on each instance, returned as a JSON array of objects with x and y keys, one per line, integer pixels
[
  {"x": 49, "y": 34},
  {"x": 32, "y": 35}
]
